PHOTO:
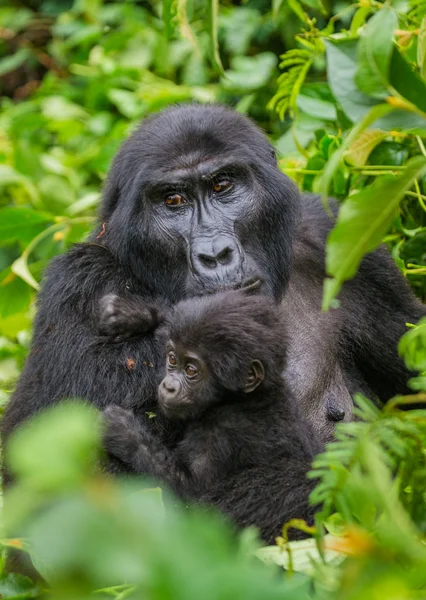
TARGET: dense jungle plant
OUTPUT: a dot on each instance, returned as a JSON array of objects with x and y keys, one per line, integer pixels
[{"x": 340, "y": 88}]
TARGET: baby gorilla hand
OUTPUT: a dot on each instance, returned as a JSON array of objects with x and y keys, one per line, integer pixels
[
  {"x": 122, "y": 318},
  {"x": 123, "y": 435}
]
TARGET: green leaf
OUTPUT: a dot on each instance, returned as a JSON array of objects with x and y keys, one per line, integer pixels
[
  {"x": 321, "y": 109},
  {"x": 363, "y": 145},
  {"x": 21, "y": 224},
  {"x": 374, "y": 54},
  {"x": 20, "y": 268},
  {"x": 421, "y": 48},
  {"x": 304, "y": 554},
  {"x": 73, "y": 429},
  {"x": 250, "y": 73},
  {"x": 363, "y": 220},
  {"x": 14, "y": 586},
  {"x": 127, "y": 103},
  {"x": 371, "y": 117},
  {"x": 406, "y": 82},
  {"x": 11, "y": 63},
  {"x": 15, "y": 294},
  {"x": 341, "y": 68},
  {"x": 214, "y": 41}
]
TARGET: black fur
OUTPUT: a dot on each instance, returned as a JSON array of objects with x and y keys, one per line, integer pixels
[
  {"x": 245, "y": 453},
  {"x": 144, "y": 251}
]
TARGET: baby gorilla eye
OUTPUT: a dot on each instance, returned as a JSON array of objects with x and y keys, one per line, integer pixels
[
  {"x": 191, "y": 371},
  {"x": 172, "y": 359},
  {"x": 221, "y": 185},
  {"x": 174, "y": 200}
]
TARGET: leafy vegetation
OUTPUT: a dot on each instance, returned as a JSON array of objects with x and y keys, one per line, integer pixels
[{"x": 341, "y": 90}]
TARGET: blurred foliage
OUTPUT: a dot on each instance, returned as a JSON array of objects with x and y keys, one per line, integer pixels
[{"x": 347, "y": 115}]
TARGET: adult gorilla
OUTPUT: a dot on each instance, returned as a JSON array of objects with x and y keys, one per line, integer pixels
[{"x": 195, "y": 202}]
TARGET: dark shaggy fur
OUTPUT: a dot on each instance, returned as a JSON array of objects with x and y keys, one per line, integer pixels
[
  {"x": 245, "y": 453},
  {"x": 143, "y": 251}
]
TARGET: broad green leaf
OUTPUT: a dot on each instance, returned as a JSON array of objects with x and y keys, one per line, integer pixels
[
  {"x": 406, "y": 81},
  {"x": 341, "y": 68},
  {"x": 359, "y": 151},
  {"x": 374, "y": 54},
  {"x": 15, "y": 295},
  {"x": 21, "y": 224},
  {"x": 250, "y": 73},
  {"x": 363, "y": 220},
  {"x": 316, "y": 107}
]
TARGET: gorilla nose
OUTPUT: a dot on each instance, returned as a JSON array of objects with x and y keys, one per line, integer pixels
[
  {"x": 215, "y": 253},
  {"x": 169, "y": 386}
]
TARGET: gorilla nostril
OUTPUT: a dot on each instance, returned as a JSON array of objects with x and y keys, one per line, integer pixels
[
  {"x": 207, "y": 261},
  {"x": 169, "y": 386},
  {"x": 225, "y": 257}
]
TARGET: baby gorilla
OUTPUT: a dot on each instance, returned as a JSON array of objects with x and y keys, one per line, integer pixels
[{"x": 240, "y": 442}]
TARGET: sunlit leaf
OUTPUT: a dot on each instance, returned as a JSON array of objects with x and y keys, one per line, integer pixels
[{"x": 363, "y": 220}]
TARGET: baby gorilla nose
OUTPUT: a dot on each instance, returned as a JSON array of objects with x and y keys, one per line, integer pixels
[{"x": 169, "y": 387}]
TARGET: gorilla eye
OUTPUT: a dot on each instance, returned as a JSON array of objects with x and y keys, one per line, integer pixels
[
  {"x": 175, "y": 200},
  {"x": 221, "y": 185},
  {"x": 172, "y": 359},
  {"x": 191, "y": 371}
]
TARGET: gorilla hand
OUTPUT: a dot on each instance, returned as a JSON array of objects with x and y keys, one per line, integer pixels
[
  {"x": 122, "y": 318},
  {"x": 123, "y": 435}
]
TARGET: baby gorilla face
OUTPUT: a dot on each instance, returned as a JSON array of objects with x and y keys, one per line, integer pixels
[
  {"x": 187, "y": 388},
  {"x": 191, "y": 385}
]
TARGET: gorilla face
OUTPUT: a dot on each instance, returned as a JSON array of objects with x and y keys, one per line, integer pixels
[{"x": 195, "y": 203}]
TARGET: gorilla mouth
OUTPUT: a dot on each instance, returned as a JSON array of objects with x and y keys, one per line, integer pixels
[{"x": 250, "y": 285}]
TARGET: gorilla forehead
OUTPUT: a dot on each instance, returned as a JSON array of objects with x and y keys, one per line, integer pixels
[
  {"x": 228, "y": 320},
  {"x": 186, "y": 135}
]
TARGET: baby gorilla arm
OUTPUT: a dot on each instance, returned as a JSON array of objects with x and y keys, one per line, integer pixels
[
  {"x": 126, "y": 439},
  {"x": 122, "y": 318}
]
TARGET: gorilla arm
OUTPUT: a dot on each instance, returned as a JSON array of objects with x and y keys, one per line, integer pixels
[
  {"x": 377, "y": 304},
  {"x": 68, "y": 358}
]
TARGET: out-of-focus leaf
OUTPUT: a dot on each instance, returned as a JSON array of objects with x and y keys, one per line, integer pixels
[
  {"x": 10, "y": 63},
  {"x": 19, "y": 223},
  {"x": 304, "y": 555},
  {"x": 250, "y": 73},
  {"x": 15, "y": 294},
  {"x": 14, "y": 587},
  {"x": 73, "y": 429},
  {"x": 126, "y": 102},
  {"x": 363, "y": 220}
]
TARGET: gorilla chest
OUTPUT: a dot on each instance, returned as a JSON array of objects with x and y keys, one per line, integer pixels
[{"x": 314, "y": 371}]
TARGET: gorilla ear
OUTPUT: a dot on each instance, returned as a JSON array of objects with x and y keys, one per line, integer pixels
[{"x": 255, "y": 377}]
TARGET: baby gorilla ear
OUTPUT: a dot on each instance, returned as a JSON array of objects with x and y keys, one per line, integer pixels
[{"x": 255, "y": 376}]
